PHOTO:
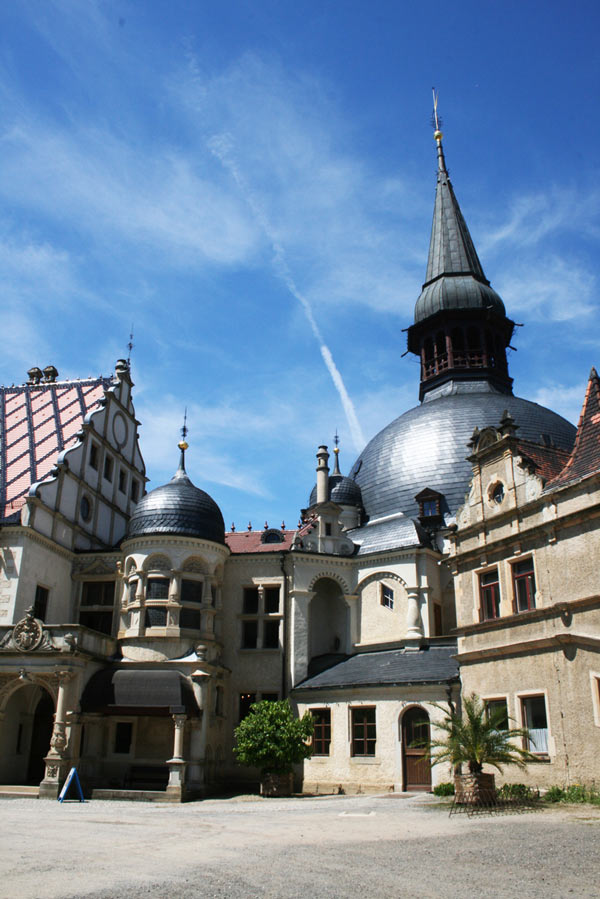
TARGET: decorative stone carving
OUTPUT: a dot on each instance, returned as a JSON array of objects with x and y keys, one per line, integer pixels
[
  {"x": 51, "y": 771},
  {"x": 28, "y": 633},
  {"x": 194, "y": 566},
  {"x": 59, "y": 738}
]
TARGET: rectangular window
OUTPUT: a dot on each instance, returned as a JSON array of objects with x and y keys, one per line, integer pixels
[
  {"x": 250, "y": 606},
  {"x": 191, "y": 591},
  {"x": 189, "y": 618},
  {"x": 122, "y": 480},
  {"x": 135, "y": 490},
  {"x": 364, "y": 732},
  {"x": 534, "y": 718},
  {"x": 123, "y": 737},
  {"x": 94, "y": 456},
  {"x": 98, "y": 593},
  {"x": 246, "y": 700},
  {"x": 249, "y": 634},
  {"x": 97, "y": 621},
  {"x": 155, "y": 617},
  {"x": 271, "y": 600},
  {"x": 327, "y": 529},
  {"x": 158, "y": 588},
  {"x": 387, "y": 597},
  {"x": 523, "y": 586},
  {"x": 322, "y": 732},
  {"x": 40, "y": 605},
  {"x": 497, "y": 711},
  {"x": 489, "y": 593},
  {"x": 271, "y": 635},
  {"x": 108, "y": 468}
]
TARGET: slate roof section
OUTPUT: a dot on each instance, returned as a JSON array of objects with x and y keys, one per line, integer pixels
[
  {"x": 252, "y": 542},
  {"x": 427, "y": 447},
  {"x": 178, "y": 508},
  {"x": 585, "y": 458},
  {"x": 394, "y": 533},
  {"x": 37, "y": 422},
  {"x": 430, "y": 665},
  {"x": 342, "y": 490}
]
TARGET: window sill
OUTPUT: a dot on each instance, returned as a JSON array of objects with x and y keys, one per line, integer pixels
[
  {"x": 541, "y": 760},
  {"x": 364, "y": 760}
]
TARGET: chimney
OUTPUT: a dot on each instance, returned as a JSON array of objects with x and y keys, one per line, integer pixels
[
  {"x": 34, "y": 375},
  {"x": 322, "y": 475},
  {"x": 50, "y": 374}
]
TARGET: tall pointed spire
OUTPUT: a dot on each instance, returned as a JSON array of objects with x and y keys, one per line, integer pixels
[{"x": 461, "y": 330}]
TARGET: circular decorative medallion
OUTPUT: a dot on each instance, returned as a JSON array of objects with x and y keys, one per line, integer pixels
[
  {"x": 119, "y": 429},
  {"x": 27, "y": 634}
]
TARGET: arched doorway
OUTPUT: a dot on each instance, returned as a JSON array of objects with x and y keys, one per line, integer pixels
[
  {"x": 416, "y": 767},
  {"x": 25, "y": 735},
  {"x": 329, "y": 620}
]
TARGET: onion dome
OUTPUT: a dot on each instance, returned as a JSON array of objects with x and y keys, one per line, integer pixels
[
  {"x": 179, "y": 509},
  {"x": 342, "y": 490}
]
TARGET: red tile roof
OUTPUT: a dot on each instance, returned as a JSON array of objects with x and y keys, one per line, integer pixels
[
  {"x": 251, "y": 542},
  {"x": 548, "y": 460},
  {"x": 37, "y": 422},
  {"x": 584, "y": 460}
]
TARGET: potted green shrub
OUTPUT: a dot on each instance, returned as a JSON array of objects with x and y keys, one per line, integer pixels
[
  {"x": 477, "y": 737},
  {"x": 273, "y": 740}
]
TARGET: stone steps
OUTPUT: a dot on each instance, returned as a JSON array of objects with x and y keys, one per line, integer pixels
[
  {"x": 18, "y": 791},
  {"x": 134, "y": 795}
]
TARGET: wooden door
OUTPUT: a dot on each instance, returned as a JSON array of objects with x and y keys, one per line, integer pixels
[{"x": 415, "y": 733}]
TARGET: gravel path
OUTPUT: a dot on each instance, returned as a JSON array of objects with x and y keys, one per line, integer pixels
[{"x": 343, "y": 846}]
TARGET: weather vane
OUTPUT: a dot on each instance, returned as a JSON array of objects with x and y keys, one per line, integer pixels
[
  {"x": 435, "y": 119},
  {"x": 184, "y": 432},
  {"x": 130, "y": 345}
]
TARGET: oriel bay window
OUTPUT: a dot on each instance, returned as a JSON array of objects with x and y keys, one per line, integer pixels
[
  {"x": 363, "y": 731},
  {"x": 523, "y": 586},
  {"x": 489, "y": 595},
  {"x": 322, "y": 732},
  {"x": 157, "y": 588}
]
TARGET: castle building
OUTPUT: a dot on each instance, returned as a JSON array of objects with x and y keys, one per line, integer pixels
[{"x": 135, "y": 632}]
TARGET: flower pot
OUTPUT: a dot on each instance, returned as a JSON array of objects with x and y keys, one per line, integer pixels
[
  {"x": 276, "y": 785},
  {"x": 475, "y": 789}
]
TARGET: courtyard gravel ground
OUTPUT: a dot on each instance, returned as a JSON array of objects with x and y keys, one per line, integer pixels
[{"x": 338, "y": 846}]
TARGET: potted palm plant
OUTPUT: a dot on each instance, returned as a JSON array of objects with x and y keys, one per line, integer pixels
[
  {"x": 477, "y": 737},
  {"x": 273, "y": 740}
]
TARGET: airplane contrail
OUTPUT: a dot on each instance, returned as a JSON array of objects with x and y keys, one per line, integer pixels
[{"x": 220, "y": 146}]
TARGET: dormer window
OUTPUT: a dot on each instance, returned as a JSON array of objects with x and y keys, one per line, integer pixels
[{"x": 430, "y": 506}]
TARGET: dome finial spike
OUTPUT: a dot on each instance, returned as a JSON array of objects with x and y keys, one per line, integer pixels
[
  {"x": 437, "y": 132},
  {"x": 183, "y": 445},
  {"x": 336, "y": 451}
]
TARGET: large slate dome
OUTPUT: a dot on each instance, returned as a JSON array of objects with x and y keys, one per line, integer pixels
[
  {"x": 427, "y": 447},
  {"x": 178, "y": 508}
]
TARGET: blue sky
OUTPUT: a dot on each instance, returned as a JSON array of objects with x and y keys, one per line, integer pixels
[{"x": 249, "y": 181}]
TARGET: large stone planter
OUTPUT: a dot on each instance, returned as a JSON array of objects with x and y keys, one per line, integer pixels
[
  {"x": 276, "y": 785},
  {"x": 475, "y": 789}
]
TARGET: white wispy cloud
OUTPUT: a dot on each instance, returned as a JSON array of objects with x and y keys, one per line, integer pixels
[
  {"x": 567, "y": 400},
  {"x": 553, "y": 288}
]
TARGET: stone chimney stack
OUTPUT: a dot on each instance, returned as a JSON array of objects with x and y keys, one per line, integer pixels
[{"x": 322, "y": 475}]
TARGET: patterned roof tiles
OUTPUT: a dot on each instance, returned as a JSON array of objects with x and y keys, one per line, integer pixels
[
  {"x": 251, "y": 542},
  {"x": 37, "y": 422},
  {"x": 585, "y": 457}
]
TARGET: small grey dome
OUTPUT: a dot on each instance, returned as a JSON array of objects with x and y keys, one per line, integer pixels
[
  {"x": 342, "y": 490},
  {"x": 458, "y": 292},
  {"x": 427, "y": 447},
  {"x": 178, "y": 508}
]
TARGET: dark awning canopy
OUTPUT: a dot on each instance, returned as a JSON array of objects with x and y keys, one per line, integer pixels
[{"x": 137, "y": 691}]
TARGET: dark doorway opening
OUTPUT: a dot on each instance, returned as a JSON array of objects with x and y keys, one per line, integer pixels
[
  {"x": 43, "y": 720},
  {"x": 415, "y": 740}
]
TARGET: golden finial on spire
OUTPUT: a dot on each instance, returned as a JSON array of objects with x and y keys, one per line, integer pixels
[
  {"x": 184, "y": 431},
  {"x": 437, "y": 134}
]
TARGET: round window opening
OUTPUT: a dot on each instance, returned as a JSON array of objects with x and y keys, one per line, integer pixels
[
  {"x": 497, "y": 493},
  {"x": 85, "y": 508}
]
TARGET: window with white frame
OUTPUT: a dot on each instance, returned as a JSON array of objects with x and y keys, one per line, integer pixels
[
  {"x": 523, "y": 579},
  {"x": 261, "y": 617},
  {"x": 533, "y": 709},
  {"x": 387, "y": 596},
  {"x": 489, "y": 595}
]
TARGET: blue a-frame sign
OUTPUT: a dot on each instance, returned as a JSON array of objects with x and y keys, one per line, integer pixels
[{"x": 72, "y": 777}]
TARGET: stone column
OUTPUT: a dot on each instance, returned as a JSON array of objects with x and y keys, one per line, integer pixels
[
  {"x": 57, "y": 761},
  {"x": 177, "y": 765},
  {"x": 414, "y": 625},
  {"x": 354, "y": 629},
  {"x": 300, "y": 649}
]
